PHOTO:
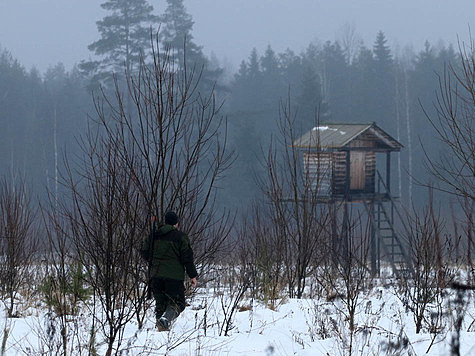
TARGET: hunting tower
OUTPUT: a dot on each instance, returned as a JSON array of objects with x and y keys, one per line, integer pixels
[{"x": 340, "y": 160}]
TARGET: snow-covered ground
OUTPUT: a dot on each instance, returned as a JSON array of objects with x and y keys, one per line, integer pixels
[{"x": 294, "y": 327}]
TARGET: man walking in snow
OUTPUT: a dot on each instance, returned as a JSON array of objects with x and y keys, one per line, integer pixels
[{"x": 169, "y": 254}]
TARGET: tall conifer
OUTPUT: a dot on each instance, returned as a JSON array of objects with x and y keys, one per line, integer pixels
[
  {"x": 384, "y": 85},
  {"x": 125, "y": 37},
  {"x": 176, "y": 33},
  {"x": 176, "y": 36}
]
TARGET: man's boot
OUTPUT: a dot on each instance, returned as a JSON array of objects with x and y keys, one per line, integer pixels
[{"x": 166, "y": 319}]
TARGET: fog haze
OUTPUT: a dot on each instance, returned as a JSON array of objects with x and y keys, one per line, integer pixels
[{"x": 42, "y": 33}]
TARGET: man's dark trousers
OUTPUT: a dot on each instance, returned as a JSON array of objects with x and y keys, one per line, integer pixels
[{"x": 167, "y": 292}]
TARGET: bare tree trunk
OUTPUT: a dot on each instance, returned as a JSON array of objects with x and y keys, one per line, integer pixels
[
  {"x": 398, "y": 133},
  {"x": 12, "y": 162},
  {"x": 350, "y": 41},
  {"x": 468, "y": 207},
  {"x": 409, "y": 137},
  {"x": 55, "y": 139}
]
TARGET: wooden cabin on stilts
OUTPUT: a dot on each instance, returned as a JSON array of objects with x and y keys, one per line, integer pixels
[{"x": 342, "y": 160}]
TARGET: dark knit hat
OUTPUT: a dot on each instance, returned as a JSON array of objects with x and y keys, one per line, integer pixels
[{"x": 171, "y": 218}]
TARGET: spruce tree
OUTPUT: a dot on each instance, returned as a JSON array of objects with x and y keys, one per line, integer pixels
[
  {"x": 310, "y": 105},
  {"x": 333, "y": 70},
  {"x": 384, "y": 85},
  {"x": 247, "y": 85},
  {"x": 254, "y": 72},
  {"x": 176, "y": 33},
  {"x": 244, "y": 115},
  {"x": 291, "y": 66},
  {"x": 269, "y": 62},
  {"x": 272, "y": 85},
  {"x": 360, "y": 101},
  {"x": 176, "y": 36},
  {"x": 382, "y": 53}
]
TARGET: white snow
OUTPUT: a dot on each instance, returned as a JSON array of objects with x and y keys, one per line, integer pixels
[
  {"x": 295, "y": 327},
  {"x": 325, "y": 128},
  {"x": 322, "y": 128}
]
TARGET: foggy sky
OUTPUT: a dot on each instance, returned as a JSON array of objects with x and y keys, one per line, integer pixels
[{"x": 42, "y": 33}]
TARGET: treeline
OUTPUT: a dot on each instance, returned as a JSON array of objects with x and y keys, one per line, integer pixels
[
  {"x": 329, "y": 82},
  {"x": 42, "y": 114},
  {"x": 40, "y": 117}
]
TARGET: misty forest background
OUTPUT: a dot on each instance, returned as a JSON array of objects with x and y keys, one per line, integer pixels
[{"x": 343, "y": 81}]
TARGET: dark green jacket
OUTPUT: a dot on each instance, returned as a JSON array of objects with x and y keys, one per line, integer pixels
[{"x": 171, "y": 255}]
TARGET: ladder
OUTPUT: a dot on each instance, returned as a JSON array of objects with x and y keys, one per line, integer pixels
[{"x": 381, "y": 212}]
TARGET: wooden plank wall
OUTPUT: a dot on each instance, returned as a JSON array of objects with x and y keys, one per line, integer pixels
[
  {"x": 367, "y": 140},
  {"x": 339, "y": 172},
  {"x": 332, "y": 166},
  {"x": 370, "y": 171},
  {"x": 318, "y": 171}
]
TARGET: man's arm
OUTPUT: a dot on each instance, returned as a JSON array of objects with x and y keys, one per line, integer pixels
[{"x": 187, "y": 259}]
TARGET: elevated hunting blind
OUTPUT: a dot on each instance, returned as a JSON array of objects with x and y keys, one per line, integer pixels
[{"x": 339, "y": 164}]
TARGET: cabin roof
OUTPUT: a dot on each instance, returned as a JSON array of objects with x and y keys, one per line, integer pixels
[{"x": 339, "y": 136}]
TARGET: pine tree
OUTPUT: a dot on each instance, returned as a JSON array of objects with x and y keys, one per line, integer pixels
[{"x": 125, "y": 38}]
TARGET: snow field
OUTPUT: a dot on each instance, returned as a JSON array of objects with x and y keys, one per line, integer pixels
[{"x": 295, "y": 327}]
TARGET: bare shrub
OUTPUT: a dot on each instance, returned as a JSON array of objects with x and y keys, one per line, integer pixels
[
  {"x": 298, "y": 218},
  {"x": 431, "y": 253},
  {"x": 348, "y": 277},
  {"x": 63, "y": 287},
  {"x": 454, "y": 167},
  {"x": 165, "y": 149},
  {"x": 171, "y": 142},
  {"x": 103, "y": 220},
  {"x": 260, "y": 248},
  {"x": 18, "y": 242}
]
